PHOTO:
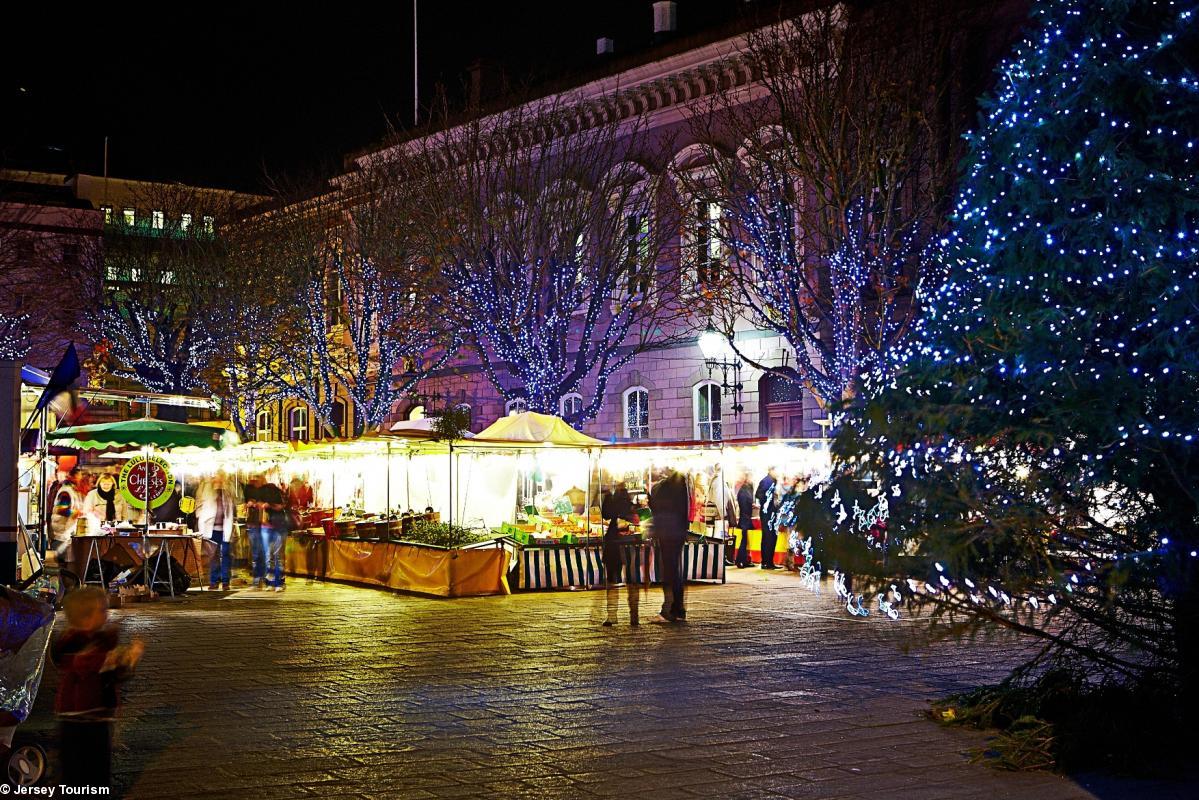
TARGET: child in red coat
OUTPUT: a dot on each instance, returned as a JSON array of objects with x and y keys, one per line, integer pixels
[{"x": 91, "y": 663}]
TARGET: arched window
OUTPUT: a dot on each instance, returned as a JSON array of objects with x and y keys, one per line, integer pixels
[
  {"x": 706, "y": 405},
  {"x": 636, "y": 413},
  {"x": 470, "y": 414},
  {"x": 517, "y": 405},
  {"x": 262, "y": 425},
  {"x": 416, "y": 412},
  {"x": 297, "y": 424},
  {"x": 570, "y": 407}
]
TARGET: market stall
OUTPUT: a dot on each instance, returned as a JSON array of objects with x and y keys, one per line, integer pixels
[
  {"x": 381, "y": 512},
  {"x": 552, "y": 518},
  {"x": 714, "y": 470},
  {"x": 147, "y": 481}
]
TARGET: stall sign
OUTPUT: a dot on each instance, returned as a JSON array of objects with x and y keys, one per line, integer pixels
[{"x": 137, "y": 482}]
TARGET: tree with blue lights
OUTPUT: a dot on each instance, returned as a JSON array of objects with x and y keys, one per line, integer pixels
[
  {"x": 169, "y": 284},
  {"x": 549, "y": 233},
  {"x": 830, "y": 179},
  {"x": 1037, "y": 446},
  {"x": 362, "y": 320}
]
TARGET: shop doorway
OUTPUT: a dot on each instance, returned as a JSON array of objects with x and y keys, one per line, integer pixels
[{"x": 781, "y": 408}]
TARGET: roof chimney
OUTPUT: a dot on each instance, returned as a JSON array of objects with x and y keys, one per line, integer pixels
[
  {"x": 604, "y": 46},
  {"x": 666, "y": 18}
]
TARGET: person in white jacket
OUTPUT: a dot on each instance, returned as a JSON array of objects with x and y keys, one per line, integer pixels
[{"x": 216, "y": 508}]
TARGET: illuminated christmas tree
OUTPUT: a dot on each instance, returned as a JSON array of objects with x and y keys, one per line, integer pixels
[{"x": 1037, "y": 448}]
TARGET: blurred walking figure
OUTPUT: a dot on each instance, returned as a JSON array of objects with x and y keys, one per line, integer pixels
[
  {"x": 65, "y": 511},
  {"x": 91, "y": 664},
  {"x": 255, "y": 519},
  {"x": 274, "y": 533},
  {"x": 767, "y": 498},
  {"x": 216, "y": 507},
  {"x": 670, "y": 502},
  {"x": 617, "y": 508}
]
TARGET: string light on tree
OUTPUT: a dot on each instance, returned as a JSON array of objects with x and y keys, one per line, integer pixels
[{"x": 1036, "y": 435}]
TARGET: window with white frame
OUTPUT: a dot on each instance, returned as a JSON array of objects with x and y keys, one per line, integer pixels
[
  {"x": 185, "y": 222},
  {"x": 636, "y": 413},
  {"x": 570, "y": 407},
  {"x": 129, "y": 216},
  {"x": 207, "y": 223},
  {"x": 107, "y": 210},
  {"x": 517, "y": 405},
  {"x": 262, "y": 425},
  {"x": 297, "y": 424},
  {"x": 158, "y": 220},
  {"x": 706, "y": 405}
]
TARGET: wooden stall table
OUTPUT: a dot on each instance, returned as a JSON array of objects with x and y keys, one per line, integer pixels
[
  {"x": 169, "y": 543},
  {"x": 128, "y": 547}
]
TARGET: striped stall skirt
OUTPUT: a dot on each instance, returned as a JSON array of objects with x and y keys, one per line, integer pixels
[{"x": 560, "y": 567}]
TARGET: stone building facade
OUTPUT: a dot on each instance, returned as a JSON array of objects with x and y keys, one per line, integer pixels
[{"x": 670, "y": 394}]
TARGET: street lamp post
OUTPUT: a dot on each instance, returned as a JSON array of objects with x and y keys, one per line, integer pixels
[{"x": 719, "y": 355}]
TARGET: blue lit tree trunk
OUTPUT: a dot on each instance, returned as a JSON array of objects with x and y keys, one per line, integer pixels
[
  {"x": 831, "y": 178},
  {"x": 169, "y": 294},
  {"x": 1037, "y": 446},
  {"x": 366, "y": 322},
  {"x": 549, "y": 235}
]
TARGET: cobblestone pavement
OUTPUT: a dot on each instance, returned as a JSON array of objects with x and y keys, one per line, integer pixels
[{"x": 336, "y": 691}]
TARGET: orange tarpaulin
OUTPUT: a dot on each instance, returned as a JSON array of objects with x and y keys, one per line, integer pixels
[{"x": 409, "y": 568}]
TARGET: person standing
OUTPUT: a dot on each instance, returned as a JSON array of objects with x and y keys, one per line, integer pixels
[
  {"x": 215, "y": 509},
  {"x": 618, "y": 507},
  {"x": 670, "y": 503},
  {"x": 274, "y": 533},
  {"x": 767, "y": 499},
  {"x": 68, "y": 504},
  {"x": 745, "y": 513},
  {"x": 255, "y": 516},
  {"x": 105, "y": 502}
]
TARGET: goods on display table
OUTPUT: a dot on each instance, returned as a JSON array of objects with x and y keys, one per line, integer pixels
[
  {"x": 136, "y": 518},
  {"x": 519, "y": 502}
]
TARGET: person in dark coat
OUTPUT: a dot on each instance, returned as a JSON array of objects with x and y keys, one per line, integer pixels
[
  {"x": 767, "y": 499},
  {"x": 670, "y": 502},
  {"x": 745, "y": 513},
  {"x": 616, "y": 507}
]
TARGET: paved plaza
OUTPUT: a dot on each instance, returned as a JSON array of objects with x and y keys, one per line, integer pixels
[{"x": 336, "y": 691}]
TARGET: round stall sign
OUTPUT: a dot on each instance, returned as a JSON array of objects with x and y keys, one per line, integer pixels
[{"x": 144, "y": 477}]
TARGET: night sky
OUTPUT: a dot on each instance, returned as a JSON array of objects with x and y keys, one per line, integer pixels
[{"x": 203, "y": 95}]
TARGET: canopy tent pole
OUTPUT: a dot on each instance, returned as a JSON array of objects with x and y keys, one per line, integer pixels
[
  {"x": 387, "y": 514},
  {"x": 43, "y": 502}
]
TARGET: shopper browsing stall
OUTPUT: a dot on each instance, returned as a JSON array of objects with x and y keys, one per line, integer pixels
[
  {"x": 617, "y": 508},
  {"x": 216, "y": 507},
  {"x": 669, "y": 501},
  {"x": 767, "y": 498}
]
